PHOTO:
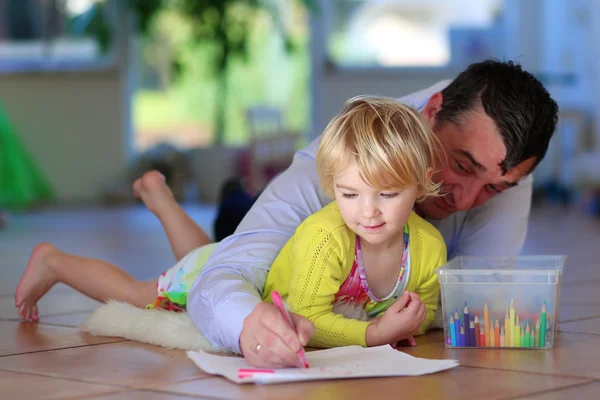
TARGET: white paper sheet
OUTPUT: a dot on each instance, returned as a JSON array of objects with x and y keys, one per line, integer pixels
[{"x": 338, "y": 363}]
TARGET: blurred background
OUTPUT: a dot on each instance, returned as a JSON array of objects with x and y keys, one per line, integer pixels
[{"x": 95, "y": 92}]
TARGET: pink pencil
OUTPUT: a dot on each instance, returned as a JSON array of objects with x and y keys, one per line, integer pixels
[
  {"x": 249, "y": 372},
  {"x": 279, "y": 304}
]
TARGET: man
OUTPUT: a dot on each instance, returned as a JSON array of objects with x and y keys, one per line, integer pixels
[{"x": 494, "y": 122}]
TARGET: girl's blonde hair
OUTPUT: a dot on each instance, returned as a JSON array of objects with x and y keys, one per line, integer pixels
[{"x": 390, "y": 142}]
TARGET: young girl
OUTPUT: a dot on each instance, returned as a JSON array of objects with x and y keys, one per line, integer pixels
[
  {"x": 366, "y": 252},
  {"x": 363, "y": 254}
]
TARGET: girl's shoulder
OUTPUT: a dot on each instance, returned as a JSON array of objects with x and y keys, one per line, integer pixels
[{"x": 424, "y": 232}]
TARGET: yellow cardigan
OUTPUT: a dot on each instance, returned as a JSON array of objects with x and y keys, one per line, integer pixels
[{"x": 316, "y": 261}]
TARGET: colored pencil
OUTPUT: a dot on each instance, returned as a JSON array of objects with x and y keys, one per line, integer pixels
[
  {"x": 532, "y": 338},
  {"x": 517, "y": 333},
  {"x": 481, "y": 336},
  {"x": 497, "y": 333},
  {"x": 456, "y": 325},
  {"x": 527, "y": 335},
  {"x": 466, "y": 321},
  {"x": 471, "y": 333},
  {"x": 502, "y": 337},
  {"x": 477, "y": 335},
  {"x": 452, "y": 331},
  {"x": 461, "y": 341},
  {"x": 537, "y": 333},
  {"x": 543, "y": 326},
  {"x": 522, "y": 340},
  {"x": 486, "y": 319},
  {"x": 506, "y": 328},
  {"x": 511, "y": 336}
]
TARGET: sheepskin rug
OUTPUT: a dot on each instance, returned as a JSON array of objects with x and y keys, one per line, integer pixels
[{"x": 159, "y": 327}]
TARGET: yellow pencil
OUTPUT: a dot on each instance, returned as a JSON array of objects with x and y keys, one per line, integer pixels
[
  {"x": 512, "y": 322},
  {"x": 517, "y": 334},
  {"x": 486, "y": 321}
]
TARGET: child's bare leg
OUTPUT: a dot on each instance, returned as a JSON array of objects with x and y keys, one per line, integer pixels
[
  {"x": 183, "y": 233},
  {"x": 97, "y": 279}
]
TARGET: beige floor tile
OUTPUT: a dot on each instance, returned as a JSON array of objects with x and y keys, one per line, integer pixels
[
  {"x": 142, "y": 395},
  {"x": 55, "y": 302},
  {"x": 28, "y": 337},
  {"x": 581, "y": 295},
  {"x": 572, "y": 312},
  {"x": 453, "y": 384},
  {"x": 73, "y": 320},
  {"x": 574, "y": 355},
  {"x": 23, "y": 386},
  {"x": 127, "y": 364},
  {"x": 590, "y": 390},
  {"x": 589, "y": 326}
]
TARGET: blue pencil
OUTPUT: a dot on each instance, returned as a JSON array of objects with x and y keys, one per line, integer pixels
[
  {"x": 456, "y": 325},
  {"x": 461, "y": 337},
  {"x": 452, "y": 331}
]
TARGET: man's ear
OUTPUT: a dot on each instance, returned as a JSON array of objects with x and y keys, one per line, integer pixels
[{"x": 433, "y": 106}]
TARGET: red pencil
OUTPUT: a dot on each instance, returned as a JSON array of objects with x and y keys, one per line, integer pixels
[{"x": 477, "y": 332}]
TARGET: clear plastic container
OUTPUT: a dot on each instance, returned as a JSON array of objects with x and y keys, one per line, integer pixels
[{"x": 518, "y": 287}]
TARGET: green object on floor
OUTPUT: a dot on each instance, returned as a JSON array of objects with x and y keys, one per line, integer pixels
[{"x": 22, "y": 183}]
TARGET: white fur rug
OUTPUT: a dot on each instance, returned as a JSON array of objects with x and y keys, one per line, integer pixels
[{"x": 159, "y": 327}]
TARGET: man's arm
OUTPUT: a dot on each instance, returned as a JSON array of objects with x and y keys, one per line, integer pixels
[
  {"x": 231, "y": 283},
  {"x": 498, "y": 227}
]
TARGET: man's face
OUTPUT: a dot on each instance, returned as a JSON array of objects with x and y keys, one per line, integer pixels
[{"x": 470, "y": 171}]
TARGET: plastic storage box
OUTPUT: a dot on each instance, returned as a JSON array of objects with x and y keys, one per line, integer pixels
[{"x": 501, "y": 302}]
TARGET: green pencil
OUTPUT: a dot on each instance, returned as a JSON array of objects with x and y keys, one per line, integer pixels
[{"x": 543, "y": 327}]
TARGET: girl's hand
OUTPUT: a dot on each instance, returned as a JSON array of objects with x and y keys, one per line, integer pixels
[{"x": 398, "y": 322}]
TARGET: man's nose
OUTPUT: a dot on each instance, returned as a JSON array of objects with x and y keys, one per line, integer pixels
[{"x": 465, "y": 196}]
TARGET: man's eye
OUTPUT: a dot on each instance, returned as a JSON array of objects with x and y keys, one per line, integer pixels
[
  {"x": 460, "y": 167},
  {"x": 348, "y": 196},
  {"x": 494, "y": 189}
]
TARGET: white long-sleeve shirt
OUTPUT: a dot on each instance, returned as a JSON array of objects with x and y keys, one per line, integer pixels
[{"x": 231, "y": 283}]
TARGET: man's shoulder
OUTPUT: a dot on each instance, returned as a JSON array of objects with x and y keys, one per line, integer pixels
[{"x": 328, "y": 219}]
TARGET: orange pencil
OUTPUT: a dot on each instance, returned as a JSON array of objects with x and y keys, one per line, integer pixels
[
  {"x": 497, "y": 333},
  {"x": 477, "y": 336},
  {"x": 486, "y": 320}
]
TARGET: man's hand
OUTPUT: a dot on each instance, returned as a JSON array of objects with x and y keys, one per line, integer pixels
[{"x": 267, "y": 340}]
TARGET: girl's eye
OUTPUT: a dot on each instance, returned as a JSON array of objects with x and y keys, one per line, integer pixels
[
  {"x": 348, "y": 196},
  {"x": 389, "y": 195}
]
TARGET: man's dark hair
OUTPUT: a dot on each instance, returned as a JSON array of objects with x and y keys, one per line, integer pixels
[{"x": 517, "y": 102}]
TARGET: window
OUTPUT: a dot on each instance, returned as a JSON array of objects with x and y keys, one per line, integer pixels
[
  {"x": 55, "y": 34},
  {"x": 414, "y": 33}
]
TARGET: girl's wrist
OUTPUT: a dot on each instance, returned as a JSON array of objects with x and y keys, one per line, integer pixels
[{"x": 373, "y": 336}]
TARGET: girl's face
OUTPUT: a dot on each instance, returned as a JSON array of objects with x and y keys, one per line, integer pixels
[{"x": 377, "y": 216}]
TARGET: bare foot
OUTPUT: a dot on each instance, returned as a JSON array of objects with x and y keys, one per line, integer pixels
[
  {"x": 37, "y": 279},
  {"x": 153, "y": 191}
]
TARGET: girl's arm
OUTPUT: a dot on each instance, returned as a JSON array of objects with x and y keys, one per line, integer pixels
[{"x": 318, "y": 258}]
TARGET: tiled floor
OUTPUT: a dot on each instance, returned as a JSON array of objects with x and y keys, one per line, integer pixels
[{"x": 53, "y": 360}]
